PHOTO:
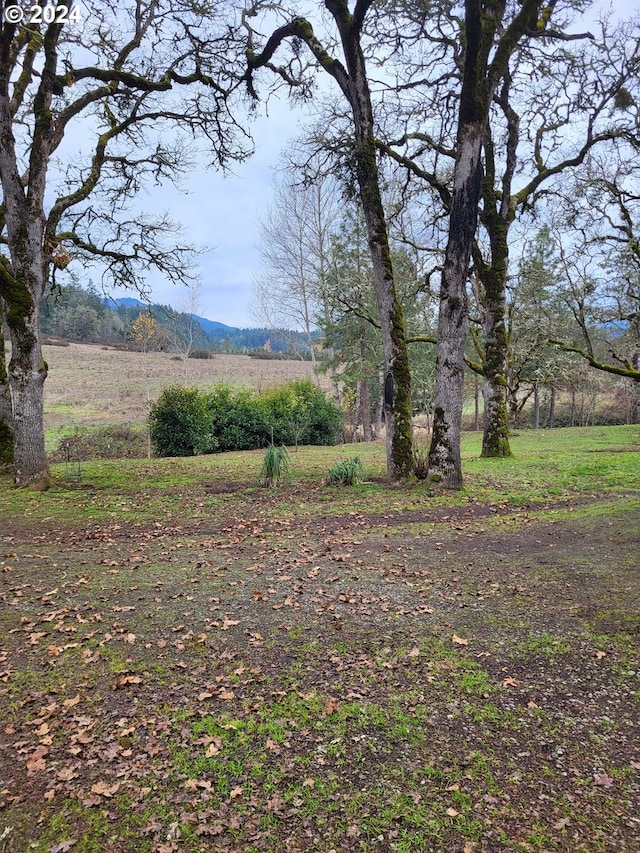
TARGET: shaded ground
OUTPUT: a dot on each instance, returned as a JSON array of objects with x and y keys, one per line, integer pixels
[{"x": 450, "y": 680}]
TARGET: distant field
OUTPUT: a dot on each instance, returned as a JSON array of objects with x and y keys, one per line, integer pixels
[{"x": 88, "y": 384}]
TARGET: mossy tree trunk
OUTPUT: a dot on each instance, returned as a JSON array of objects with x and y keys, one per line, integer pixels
[
  {"x": 23, "y": 274},
  {"x": 6, "y": 413},
  {"x": 486, "y": 61},
  {"x": 495, "y": 438},
  {"x": 445, "y": 467},
  {"x": 355, "y": 86}
]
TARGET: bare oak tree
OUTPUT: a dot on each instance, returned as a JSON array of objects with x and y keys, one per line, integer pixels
[
  {"x": 137, "y": 84},
  {"x": 351, "y": 76}
]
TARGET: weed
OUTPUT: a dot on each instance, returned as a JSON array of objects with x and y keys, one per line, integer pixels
[
  {"x": 274, "y": 465},
  {"x": 346, "y": 472}
]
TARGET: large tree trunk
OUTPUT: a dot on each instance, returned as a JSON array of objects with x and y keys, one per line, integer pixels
[
  {"x": 27, "y": 373},
  {"x": 445, "y": 465},
  {"x": 398, "y": 379},
  {"x": 22, "y": 278}
]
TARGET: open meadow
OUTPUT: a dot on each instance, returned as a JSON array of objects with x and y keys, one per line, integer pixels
[
  {"x": 192, "y": 662},
  {"x": 89, "y": 384}
]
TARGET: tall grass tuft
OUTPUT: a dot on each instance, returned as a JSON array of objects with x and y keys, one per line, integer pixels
[
  {"x": 421, "y": 460},
  {"x": 347, "y": 472},
  {"x": 274, "y": 465}
]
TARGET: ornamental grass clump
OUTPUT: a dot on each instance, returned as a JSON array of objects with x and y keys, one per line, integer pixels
[
  {"x": 274, "y": 465},
  {"x": 347, "y": 472}
]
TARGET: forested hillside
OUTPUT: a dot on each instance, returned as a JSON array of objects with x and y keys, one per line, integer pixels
[{"x": 83, "y": 315}]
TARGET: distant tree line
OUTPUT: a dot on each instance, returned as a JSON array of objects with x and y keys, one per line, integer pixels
[{"x": 81, "y": 314}]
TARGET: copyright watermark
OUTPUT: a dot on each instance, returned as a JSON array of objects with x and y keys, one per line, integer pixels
[{"x": 49, "y": 14}]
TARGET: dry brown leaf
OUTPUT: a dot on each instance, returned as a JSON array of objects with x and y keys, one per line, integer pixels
[
  {"x": 452, "y": 812},
  {"x": 415, "y": 651},
  {"x": 330, "y": 707},
  {"x": 460, "y": 641},
  {"x": 103, "y": 788}
]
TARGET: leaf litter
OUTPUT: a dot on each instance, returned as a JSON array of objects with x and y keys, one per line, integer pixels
[{"x": 324, "y": 684}]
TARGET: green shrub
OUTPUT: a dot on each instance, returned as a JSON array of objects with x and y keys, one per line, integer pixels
[
  {"x": 274, "y": 465},
  {"x": 180, "y": 423},
  {"x": 237, "y": 419},
  {"x": 300, "y": 413},
  {"x": 185, "y": 422},
  {"x": 347, "y": 472}
]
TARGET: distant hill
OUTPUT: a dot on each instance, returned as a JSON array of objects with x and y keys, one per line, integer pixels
[
  {"x": 218, "y": 335},
  {"x": 125, "y": 302},
  {"x": 213, "y": 325}
]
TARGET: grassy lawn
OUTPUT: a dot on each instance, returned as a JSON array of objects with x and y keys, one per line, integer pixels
[{"x": 191, "y": 662}]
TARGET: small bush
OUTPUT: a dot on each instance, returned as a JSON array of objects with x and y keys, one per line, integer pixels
[
  {"x": 180, "y": 423},
  {"x": 237, "y": 419},
  {"x": 300, "y": 413},
  {"x": 201, "y": 353},
  {"x": 119, "y": 441},
  {"x": 347, "y": 472},
  {"x": 274, "y": 465}
]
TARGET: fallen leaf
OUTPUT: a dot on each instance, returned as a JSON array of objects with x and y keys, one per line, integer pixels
[
  {"x": 602, "y": 779},
  {"x": 460, "y": 641},
  {"x": 452, "y": 813},
  {"x": 236, "y": 792},
  {"x": 63, "y": 846},
  {"x": 510, "y": 682},
  {"x": 103, "y": 789},
  {"x": 330, "y": 707},
  {"x": 128, "y": 679},
  {"x": 66, "y": 774},
  {"x": 415, "y": 651},
  {"x": 601, "y": 655},
  {"x": 71, "y": 703}
]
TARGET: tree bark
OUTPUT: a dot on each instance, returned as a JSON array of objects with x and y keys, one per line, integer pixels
[
  {"x": 6, "y": 412},
  {"x": 495, "y": 439},
  {"x": 445, "y": 467},
  {"x": 536, "y": 406},
  {"x": 551, "y": 419}
]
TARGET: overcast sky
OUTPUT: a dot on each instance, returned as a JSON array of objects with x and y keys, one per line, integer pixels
[{"x": 223, "y": 213}]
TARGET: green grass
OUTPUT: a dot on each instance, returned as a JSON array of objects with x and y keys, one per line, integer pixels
[{"x": 547, "y": 465}]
